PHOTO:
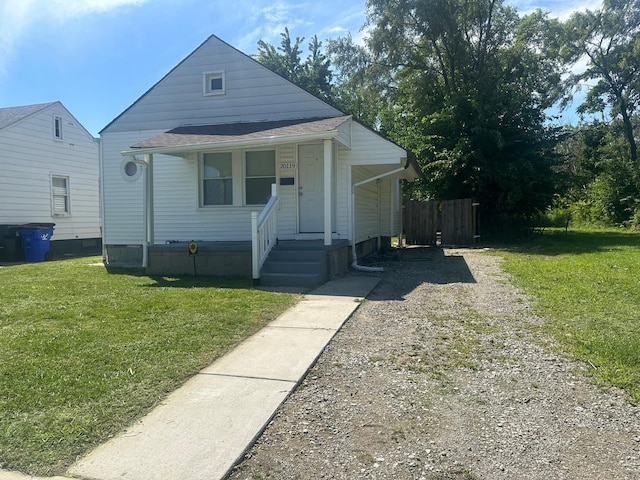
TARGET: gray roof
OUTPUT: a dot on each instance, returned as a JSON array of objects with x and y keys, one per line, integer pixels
[
  {"x": 231, "y": 132},
  {"x": 11, "y": 115}
]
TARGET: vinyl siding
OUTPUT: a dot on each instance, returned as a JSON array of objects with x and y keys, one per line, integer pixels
[
  {"x": 366, "y": 205},
  {"x": 178, "y": 215},
  {"x": 369, "y": 148},
  {"x": 390, "y": 209},
  {"x": 368, "y": 154},
  {"x": 343, "y": 193},
  {"x": 253, "y": 93},
  {"x": 29, "y": 155}
]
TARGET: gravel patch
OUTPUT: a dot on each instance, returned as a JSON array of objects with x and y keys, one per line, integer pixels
[{"x": 440, "y": 375}]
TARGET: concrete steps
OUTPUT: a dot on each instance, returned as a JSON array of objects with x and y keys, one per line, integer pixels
[{"x": 291, "y": 265}]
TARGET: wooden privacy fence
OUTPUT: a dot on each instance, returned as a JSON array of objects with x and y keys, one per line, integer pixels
[{"x": 450, "y": 222}]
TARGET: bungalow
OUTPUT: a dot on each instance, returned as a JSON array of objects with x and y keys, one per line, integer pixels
[
  {"x": 49, "y": 165},
  {"x": 222, "y": 160}
]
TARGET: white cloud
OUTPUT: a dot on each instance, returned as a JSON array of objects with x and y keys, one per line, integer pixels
[
  {"x": 269, "y": 21},
  {"x": 19, "y": 17},
  {"x": 72, "y": 8},
  {"x": 561, "y": 9},
  {"x": 279, "y": 12},
  {"x": 14, "y": 15}
]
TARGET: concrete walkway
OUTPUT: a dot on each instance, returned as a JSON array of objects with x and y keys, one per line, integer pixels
[{"x": 204, "y": 428}]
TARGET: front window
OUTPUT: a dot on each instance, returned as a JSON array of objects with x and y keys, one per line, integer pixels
[
  {"x": 60, "y": 195},
  {"x": 260, "y": 173},
  {"x": 217, "y": 179}
]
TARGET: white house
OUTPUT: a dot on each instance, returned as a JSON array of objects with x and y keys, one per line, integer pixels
[
  {"x": 221, "y": 139},
  {"x": 50, "y": 167}
]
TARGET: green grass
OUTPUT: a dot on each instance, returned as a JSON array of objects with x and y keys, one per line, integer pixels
[
  {"x": 587, "y": 286},
  {"x": 84, "y": 352}
]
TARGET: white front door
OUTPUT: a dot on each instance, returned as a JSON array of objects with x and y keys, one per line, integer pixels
[{"x": 311, "y": 188}]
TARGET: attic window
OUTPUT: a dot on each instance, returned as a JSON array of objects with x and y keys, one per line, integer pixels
[
  {"x": 214, "y": 83},
  {"x": 57, "y": 127}
]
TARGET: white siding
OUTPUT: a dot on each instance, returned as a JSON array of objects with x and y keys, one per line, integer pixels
[
  {"x": 29, "y": 155},
  {"x": 370, "y": 155},
  {"x": 343, "y": 193},
  {"x": 367, "y": 211},
  {"x": 123, "y": 222},
  {"x": 176, "y": 204},
  {"x": 344, "y": 133},
  {"x": 177, "y": 215},
  {"x": 253, "y": 93},
  {"x": 369, "y": 148},
  {"x": 390, "y": 208}
]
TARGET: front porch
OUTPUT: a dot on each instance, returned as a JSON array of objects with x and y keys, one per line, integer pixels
[{"x": 305, "y": 263}]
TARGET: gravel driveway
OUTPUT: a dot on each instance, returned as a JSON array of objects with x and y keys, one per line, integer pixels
[{"x": 439, "y": 376}]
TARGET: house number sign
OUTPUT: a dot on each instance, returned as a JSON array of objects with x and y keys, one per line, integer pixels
[{"x": 287, "y": 166}]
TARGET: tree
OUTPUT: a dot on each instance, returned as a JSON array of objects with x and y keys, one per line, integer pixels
[
  {"x": 359, "y": 81},
  {"x": 470, "y": 83},
  {"x": 610, "y": 39},
  {"x": 602, "y": 180},
  {"x": 314, "y": 75}
]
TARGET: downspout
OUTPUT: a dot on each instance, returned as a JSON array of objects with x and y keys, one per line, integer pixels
[
  {"x": 101, "y": 197},
  {"x": 379, "y": 207},
  {"x": 354, "y": 264}
]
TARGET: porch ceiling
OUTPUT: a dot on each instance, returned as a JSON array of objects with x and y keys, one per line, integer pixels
[{"x": 201, "y": 137}]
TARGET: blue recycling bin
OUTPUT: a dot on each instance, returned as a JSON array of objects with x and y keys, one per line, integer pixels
[{"x": 35, "y": 243}]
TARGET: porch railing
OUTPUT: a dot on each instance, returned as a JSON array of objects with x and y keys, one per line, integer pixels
[{"x": 264, "y": 232}]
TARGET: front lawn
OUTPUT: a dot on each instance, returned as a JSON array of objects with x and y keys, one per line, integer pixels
[
  {"x": 587, "y": 287},
  {"x": 84, "y": 352}
]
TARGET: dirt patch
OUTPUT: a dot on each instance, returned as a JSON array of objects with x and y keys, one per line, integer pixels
[{"x": 439, "y": 375}]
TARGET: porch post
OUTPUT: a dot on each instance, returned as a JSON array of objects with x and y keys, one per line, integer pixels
[
  {"x": 150, "y": 211},
  {"x": 328, "y": 193},
  {"x": 147, "y": 207}
]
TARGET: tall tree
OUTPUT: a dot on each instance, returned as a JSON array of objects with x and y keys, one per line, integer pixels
[
  {"x": 314, "y": 74},
  {"x": 471, "y": 84},
  {"x": 360, "y": 82},
  {"x": 283, "y": 60},
  {"x": 610, "y": 40},
  {"x": 602, "y": 181}
]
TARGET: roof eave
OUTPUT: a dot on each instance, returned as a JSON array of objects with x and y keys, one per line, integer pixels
[
  {"x": 248, "y": 143},
  {"x": 412, "y": 169}
]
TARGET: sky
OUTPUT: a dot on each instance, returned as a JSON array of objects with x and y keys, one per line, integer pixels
[{"x": 98, "y": 56}]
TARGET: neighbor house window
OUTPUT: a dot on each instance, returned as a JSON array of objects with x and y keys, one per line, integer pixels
[
  {"x": 57, "y": 127},
  {"x": 60, "y": 195},
  {"x": 260, "y": 173},
  {"x": 214, "y": 83},
  {"x": 217, "y": 179}
]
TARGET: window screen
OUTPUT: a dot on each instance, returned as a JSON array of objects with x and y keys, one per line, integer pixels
[
  {"x": 217, "y": 179},
  {"x": 260, "y": 173}
]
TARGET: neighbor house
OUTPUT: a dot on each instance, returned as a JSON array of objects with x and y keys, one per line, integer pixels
[
  {"x": 223, "y": 159},
  {"x": 49, "y": 176}
]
